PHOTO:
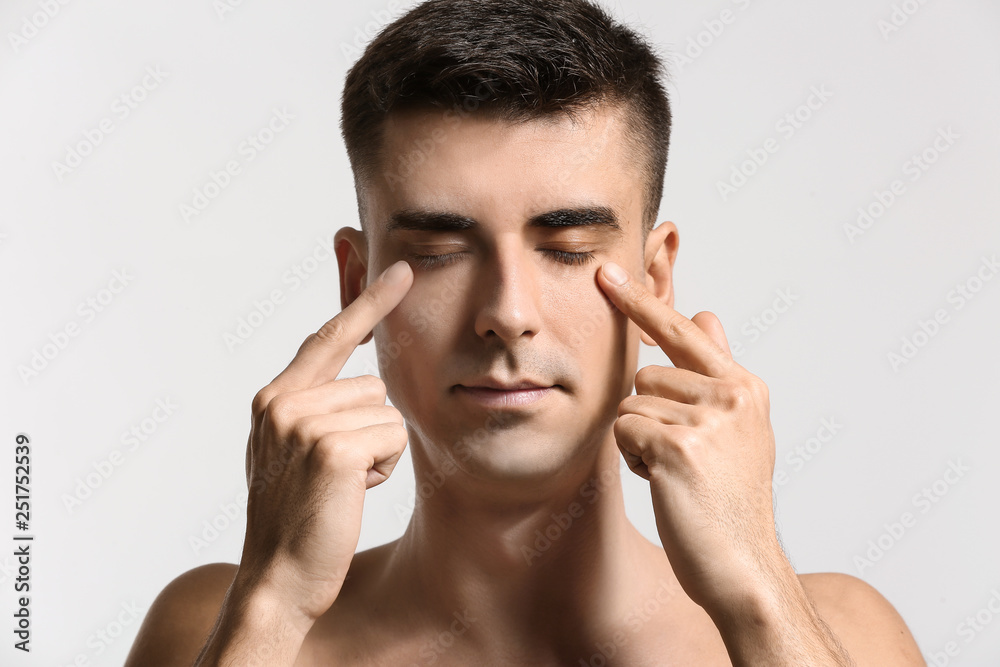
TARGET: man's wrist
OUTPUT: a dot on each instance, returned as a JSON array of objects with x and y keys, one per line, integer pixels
[
  {"x": 255, "y": 627},
  {"x": 772, "y": 621},
  {"x": 264, "y": 600},
  {"x": 759, "y": 602}
]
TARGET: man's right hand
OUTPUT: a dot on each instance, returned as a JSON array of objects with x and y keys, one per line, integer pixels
[{"x": 316, "y": 445}]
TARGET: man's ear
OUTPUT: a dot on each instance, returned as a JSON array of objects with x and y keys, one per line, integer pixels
[
  {"x": 352, "y": 259},
  {"x": 661, "y": 251}
]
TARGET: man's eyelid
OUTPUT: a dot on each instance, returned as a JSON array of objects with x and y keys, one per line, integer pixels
[
  {"x": 589, "y": 234},
  {"x": 563, "y": 246},
  {"x": 571, "y": 239},
  {"x": 438, "y": 246}
]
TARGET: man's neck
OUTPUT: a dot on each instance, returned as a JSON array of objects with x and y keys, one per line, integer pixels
[{"x": 554, "y": 564}]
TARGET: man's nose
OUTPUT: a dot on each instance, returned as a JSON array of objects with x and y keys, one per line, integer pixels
[{"x": 508, "y": 294}]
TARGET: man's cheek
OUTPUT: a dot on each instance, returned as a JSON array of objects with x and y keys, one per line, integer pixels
[
  {"x": 396, "y": 338},
  {"x": 411, "y": 314},
  {"x": 393, "y": 345},
  {"x": 417, "y": 321},
  {"x": 429, "y": 305},
  {"x": 594, "y": 326}
]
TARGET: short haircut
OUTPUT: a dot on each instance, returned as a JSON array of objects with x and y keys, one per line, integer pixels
[{"x": 516, "y": 60}]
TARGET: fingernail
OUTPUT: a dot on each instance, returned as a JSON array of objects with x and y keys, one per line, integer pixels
[
  {"x": 394, "y": 274},
  {"x": 615, "y": 273}
]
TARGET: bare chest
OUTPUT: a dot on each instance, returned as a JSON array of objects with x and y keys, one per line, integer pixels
[{"x": 636, "y": 644}]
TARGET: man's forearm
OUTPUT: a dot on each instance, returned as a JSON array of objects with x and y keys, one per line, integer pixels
[
  {"x": 778, "y": 625},
  {"x": 252, "y": 630}
]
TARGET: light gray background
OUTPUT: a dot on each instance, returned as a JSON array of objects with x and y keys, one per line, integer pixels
[{"x": 162, "y": 336}]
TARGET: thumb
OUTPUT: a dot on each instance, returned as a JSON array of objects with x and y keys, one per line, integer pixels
[{"x": 711, "y": 325}]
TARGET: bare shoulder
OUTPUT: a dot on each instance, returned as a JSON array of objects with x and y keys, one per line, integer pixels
[
  {"x": 181, "y": 617},
  {"x": 866, "y": 623}
]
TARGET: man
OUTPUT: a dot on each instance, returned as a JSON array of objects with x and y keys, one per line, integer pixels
[{"x": 509, "y": 160}]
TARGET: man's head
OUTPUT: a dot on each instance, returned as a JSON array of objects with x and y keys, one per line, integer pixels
[
  {"x": 522, "y": 143},
  {"x": 514, "y": 59}
]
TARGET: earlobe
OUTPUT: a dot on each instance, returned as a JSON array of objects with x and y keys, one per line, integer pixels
[
  {"x": 352, "y": 260},
  {"x": 661, "y": 251}
]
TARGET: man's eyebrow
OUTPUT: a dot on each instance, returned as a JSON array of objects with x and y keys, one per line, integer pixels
[
  {"x": 583, "y": 216},
  {"x": 428, "y": 221},
  {"x": 439, "y": 221}
]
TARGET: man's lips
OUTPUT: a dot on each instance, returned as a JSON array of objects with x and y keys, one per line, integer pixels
[
  {"x": 505, "y": 397},
  {"x": 505, "y": 384}
]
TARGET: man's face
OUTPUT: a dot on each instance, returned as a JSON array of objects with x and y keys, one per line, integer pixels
[{"x": 516, "y": 220}]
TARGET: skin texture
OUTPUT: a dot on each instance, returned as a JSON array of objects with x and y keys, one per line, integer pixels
[{"x": 519, "y": 550}]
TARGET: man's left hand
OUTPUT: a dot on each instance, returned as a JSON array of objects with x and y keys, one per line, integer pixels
[{"x": 700, "y": 432}]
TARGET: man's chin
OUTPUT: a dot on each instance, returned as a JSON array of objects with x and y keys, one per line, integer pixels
[{"x": 514, "y": 455}]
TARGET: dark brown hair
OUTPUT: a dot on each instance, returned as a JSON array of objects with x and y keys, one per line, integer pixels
[{"x": 515, "y": 59}]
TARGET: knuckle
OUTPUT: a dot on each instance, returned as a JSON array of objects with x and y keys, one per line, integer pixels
[
  {"x": 760, "y": 389},
  {"x": 333, "y": 332},
  {"x": 735, "y": 395},
  {"x": 624, "y": 407},
  {"x": 371, "y": 381},
  {"x": 397, "y": 432},
  {"x": 629, "y": 404},
  {"x": 299, "y": 432},
  {"x": 307, "y": 343},
  {"x": 280, "y": 409},
  {"x": 644, "y": 378},
  {"x": 674, "y": 327},
  {"x": 371, "y": 386},
  {"x": 283, "y": 426},
  {"x": 393, "y": 415},
  {"x": 710, "y": 420},
  {"x": 625, "y": 425},
  {"x": 685, "y": 442},
  {"x": 330, "y": 451},
  {"x": 261, "y": 399}
]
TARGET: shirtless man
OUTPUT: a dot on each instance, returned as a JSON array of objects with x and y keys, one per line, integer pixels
[{"x": 508, "y": 156}]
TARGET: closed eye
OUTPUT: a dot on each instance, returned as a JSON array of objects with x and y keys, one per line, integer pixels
[{"x": 432, "y": 261}]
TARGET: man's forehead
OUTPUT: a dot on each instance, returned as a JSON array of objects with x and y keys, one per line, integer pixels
[
  {"x": 598, "y": 130},
  {"x": 476, "y": 166}
]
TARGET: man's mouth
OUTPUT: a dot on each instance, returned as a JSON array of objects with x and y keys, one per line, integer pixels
[{"x": 504, "y": 393}]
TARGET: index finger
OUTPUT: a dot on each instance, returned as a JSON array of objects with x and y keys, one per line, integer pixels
[
  {"x": 324, "y": 353},
  {"x": 682, "y": 340}
]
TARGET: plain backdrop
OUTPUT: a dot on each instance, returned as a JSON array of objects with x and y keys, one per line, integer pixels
[{"x": 833, "y": 173}]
